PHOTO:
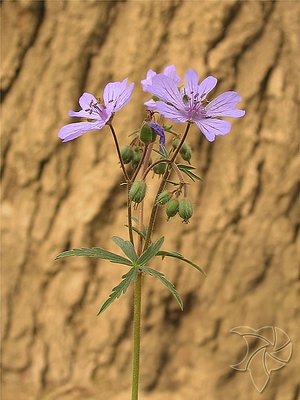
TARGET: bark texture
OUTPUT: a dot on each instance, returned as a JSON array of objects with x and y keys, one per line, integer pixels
[{"x": 60, "y": 196}]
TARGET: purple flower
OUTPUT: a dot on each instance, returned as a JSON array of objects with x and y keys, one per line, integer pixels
[
  {"x": 159, "y": 130},
  {"x": 115, "y": 96},
  {"x": 187, "y": 104},
  {"x": 147, "y": 83}
]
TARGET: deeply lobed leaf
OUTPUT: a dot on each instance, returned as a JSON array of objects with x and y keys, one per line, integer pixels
[
  {"x": 167, "y": 283},
  {"x": 121, "y": 288},
  {"x": 96, "y": 252}
]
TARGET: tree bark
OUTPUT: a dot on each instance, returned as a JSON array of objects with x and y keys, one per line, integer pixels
[{"x": 58, "y": 196}]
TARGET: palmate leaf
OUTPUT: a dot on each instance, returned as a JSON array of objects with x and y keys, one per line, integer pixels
[
  {"x": 97, "y": 253},
  {"x": 180, "y": 257},
  {"x": 126, "y": 247},
  {"x": 151, "y": 252},
  {"x": 167, "y": 283},
  {"x": 121, "y": 288}
]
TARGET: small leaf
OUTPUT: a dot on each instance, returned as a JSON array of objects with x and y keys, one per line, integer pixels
[
  {"x": 174, "y": 254},
  {"x": 126, "y": 247},
  {"x": 150, "y": 252},
  {"x": 121, "y": 288},
  {"x": 167, "y": 283},
  {"x": 143, "y": 235},
  {"x": 172, "y": 183},
  {"x": 97, "y": 253},
  {"x": 187, "y": 170}
]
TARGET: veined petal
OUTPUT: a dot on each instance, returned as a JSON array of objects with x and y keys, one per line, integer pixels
[
  {"x": 124, "y": 97},
  {"x": 224, "y": 105},
  {"x": 192, "y": 80},
  {"x": 116, "y": 95},
  {"x": 86, "y": 99},
  {"x": 72, "y": 131},
  {"x": 166, "y": 89},
  {"x": 171, "y": 112},
  {"x": 206, "y": 86},
  {"x": 171, "y": 73},
  {"x": 148, "y": 81},
  {"x": 211, "y": 127}
]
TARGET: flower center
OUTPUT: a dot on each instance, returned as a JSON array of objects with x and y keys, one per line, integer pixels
[
  {"x": 97, "y": 108},
  {"x": 193, "y": 106}
]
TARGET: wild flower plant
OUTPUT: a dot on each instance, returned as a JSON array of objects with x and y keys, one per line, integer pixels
[{"x": 170, "y": 100}]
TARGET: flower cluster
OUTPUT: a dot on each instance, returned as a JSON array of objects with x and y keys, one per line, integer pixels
[{"x": 179, "y": 104}]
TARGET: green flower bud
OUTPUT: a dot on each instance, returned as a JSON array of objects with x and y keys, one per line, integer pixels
[
  {"x": 137, "y": 192},
  {"x": 127, "y": 154},
  {"x": 175, "y": 143},
  {"x": 186, "y": 152},
  {"x": 163, "y": 198},
  {"x": 172, "y": 208},
  {"x": 159, "y": 168},
  {"x": 185, "y": 210},
  {"x": 136, "y": 158},
  {"x": 147, "y": 134}
]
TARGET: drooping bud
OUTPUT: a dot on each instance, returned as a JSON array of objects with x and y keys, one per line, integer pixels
[
  {"x": 185, "y": 210},
  {"x": 147, "y": 134},
  {"x": 126, "y": 154},
  {"x": 163, "y": 198},
  {"x": 137, "y": 155},
  {"x": 186, "y": 152},
  {"x": 159, "y": 168},
  {"x": 137, "y": 192},
  {"x": 172, "y": 208}
]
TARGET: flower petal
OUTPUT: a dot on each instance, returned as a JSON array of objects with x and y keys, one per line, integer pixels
[
  {"x": 171, "y": 73},
  {"x": 211, "y": 127},
  {"x": 206, "y": 86},
  {"x": 224, "y": 105},
  {"x": 148, "y": 81},
  {"x": 192, "y": 80},
  {"x": 72, "y": 131},
  {"x": 166, "y": 89},
  {"x": 150, "y": 104},
  {"x": 171, "y": 112},
  {"x": 116, "y": 95},
  {"x": 86, "y": 99}
]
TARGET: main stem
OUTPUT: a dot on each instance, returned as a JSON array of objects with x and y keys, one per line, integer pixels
[
  {"x": 138, "y": 296},
  {"x": 136, "y": 336}
]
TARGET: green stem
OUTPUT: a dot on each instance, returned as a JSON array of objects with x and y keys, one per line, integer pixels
[
  {"x": 119, "y": 153},
  {"x": 136, "y": 336},
  {"x": 161, "y": 188},
  {"x": 129, "y": 214},
  {"x": 137, "y": 297}
]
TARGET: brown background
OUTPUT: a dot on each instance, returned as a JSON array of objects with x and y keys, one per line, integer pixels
[{"x": 59, "y": 196}]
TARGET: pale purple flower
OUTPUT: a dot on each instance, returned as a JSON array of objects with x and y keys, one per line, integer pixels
[
  {"x": 159, "y": 130},
  {"x": 115, "y": 96},
  {"x": 146, "y": 83},
  {"x": 188, "y": 103}
]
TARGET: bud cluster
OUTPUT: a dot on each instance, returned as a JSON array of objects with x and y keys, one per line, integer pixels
[{"x": 173, "y": 206}]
